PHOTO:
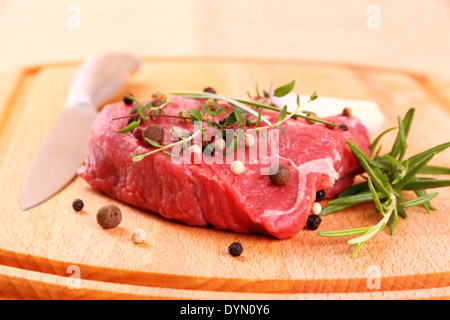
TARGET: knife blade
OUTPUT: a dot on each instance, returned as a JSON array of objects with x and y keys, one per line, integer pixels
[{"x": 65, "y": 148}]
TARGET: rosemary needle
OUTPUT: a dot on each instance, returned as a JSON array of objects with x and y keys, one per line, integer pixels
[{"x": 388, "y": 176}]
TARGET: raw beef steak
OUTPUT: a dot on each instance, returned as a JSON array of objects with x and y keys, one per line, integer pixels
[{"x": 209, "y": 193}]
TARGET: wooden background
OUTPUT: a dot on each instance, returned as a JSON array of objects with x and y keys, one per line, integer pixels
[
  {"x": 412, "y": 35},
  {"x": 253, "y": 40}
]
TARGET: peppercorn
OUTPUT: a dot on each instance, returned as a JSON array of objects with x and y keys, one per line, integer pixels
[
  {"x": 237, "y": 167},
  {"x": 109, "y": 216},
  {"x": 127, "y": 100},
  {"x": 156, "y": 102},
  {"x": 281, "y": 176},
  {"x": 209, "y": 90},
  {"x": 153, "y": 132},
  {"x": 347, "y": 112},
  {"x": 311, "y": 115},
  {"x": 211, "y": 104},
  {"x": 343, "y": 127},
  {"x": 313, "y": 222},
  {"x": 132, "y": 119},
  {"x": 317, "y": 208},
  {"x": 222, "y": 121},
  {"x": 220, "y": 144},
  {"x": 320, "y": 195},
  {"x": 183, "y": 113},
  {"x": 138, "y": 133},
  {"x": 249, "y": 140},
  {"x": 134, "y": 110},
  {"x": 138, "y": 236},
  {"x": 235, "y": 249},
  {"x": 78, "y": 205}
]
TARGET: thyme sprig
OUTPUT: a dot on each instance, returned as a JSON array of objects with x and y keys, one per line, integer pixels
[
  {"x": 246, "y": 105},
  {"x": 387, "y": 176}
]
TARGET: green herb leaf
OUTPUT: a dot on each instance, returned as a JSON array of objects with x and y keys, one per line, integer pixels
[
  {"x": 434, "y": 170},
  {"x": 195, "y": 114},
  {"x": 313, "y": 96},
  {"x": 281, "y": 129},
  {"x": 238, "y": 116},
  {"x": 258, "y": 120},
  {"x": 152, "y": 143},
  {"x": 138, "y": 157},
  {"x": 133, "y": 125},
  {"x": 232, "y": 146},
  {"x": 282, "y": 113},
  {"x": 419, "y": 157},
  {"x": 410, "y": 174},
  {"x": 377, "y": 139},
  {"x": 418, "y": 200},
  {"x": 426, "y": 184},
  {"x": 284, "y": 90}
]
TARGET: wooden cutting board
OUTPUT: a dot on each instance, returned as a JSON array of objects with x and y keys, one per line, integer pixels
[{"x": 44, "y": 251}]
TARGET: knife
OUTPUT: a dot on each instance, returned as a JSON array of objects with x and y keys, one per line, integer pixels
[{"x": 64, "y": 150}]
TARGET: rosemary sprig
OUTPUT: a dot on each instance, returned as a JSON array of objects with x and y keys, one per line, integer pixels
[{"x": 387, "y": 177}]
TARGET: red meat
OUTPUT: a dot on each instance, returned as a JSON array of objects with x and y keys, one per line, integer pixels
[{"x": 209, "y": 193}]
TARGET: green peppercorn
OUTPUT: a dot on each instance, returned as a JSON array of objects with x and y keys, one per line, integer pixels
[
  {"x": 311, "y": 115},
  {"x": 109, "y": 216},
  {"x": 279, "y": 174},
  {"x": 211, "y": 104},
  {"x": 235, "y": 249},
  {"x": 77, "y": 204},
  {"x": 127, "y": 100},
  {"x": 153, "y": 132}
]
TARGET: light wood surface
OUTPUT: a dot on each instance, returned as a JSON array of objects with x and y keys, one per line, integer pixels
[
  {"x": 411, "y": 35},
  {"x": 178, "y": 261}
]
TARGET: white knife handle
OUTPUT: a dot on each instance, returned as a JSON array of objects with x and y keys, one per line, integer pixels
[{"x": 99, "y": 77}]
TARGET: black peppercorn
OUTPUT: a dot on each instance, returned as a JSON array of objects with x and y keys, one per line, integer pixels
[
  {"x": 313, "y": 222},
  {"x": 320, "y": 195},
  {"x": 281, "y": 176},
  {"x": 222, "y": 121},
  {"x": 133, "y": 119},
  {"x": 78, "y": 205},
  {"x": 127, "y": 100},
  {"x": 343, "y": 127},
  {"x": 209, "y": 90},
  {"x": 109, "y": 216},
  {"x": 235, "y": 249}
]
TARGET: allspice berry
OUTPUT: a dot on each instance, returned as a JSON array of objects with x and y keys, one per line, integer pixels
[
  {"x": 109, "y": 216},
  {"x": 279, "y": 174},
  {"x": 153, "y": 132},
  {"x": 347, "y": 112},
  {"x": 209, "y": 90},
  {"x": 311, "y": 115},
  {"x": 156, "y": 102}
]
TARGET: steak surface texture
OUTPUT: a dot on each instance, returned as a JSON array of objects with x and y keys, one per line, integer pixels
[{"x": 209, "y": 193}]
